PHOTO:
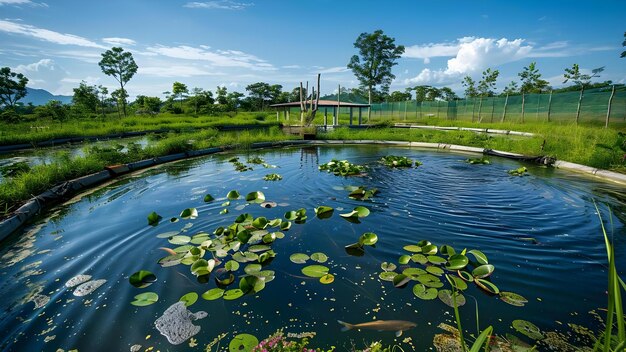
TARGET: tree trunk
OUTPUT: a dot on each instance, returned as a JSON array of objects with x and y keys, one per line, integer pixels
[
  {"x": 506, "y": 102},
  {"x": 580, "y": 100},
  {"x": 480, "y": 109},
  {"x": 608, "y": 110},
  {"x": 549, "y": 106},
  {"x": 123, "y": 92},
  {"x": 369, "y": 101}
]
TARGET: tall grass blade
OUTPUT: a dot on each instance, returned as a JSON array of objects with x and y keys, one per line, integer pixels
[{"x": 483, "y": 339}]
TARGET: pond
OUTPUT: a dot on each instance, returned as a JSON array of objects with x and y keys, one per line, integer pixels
[{"x": 540, "y": 231}]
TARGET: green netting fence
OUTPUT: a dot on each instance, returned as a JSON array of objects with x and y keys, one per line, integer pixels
[{"x": 557, "y": 107}]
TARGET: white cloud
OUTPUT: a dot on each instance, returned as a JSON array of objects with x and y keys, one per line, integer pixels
[
  {"x": 431, "y": 50},
  {"x": 119, "y": 41},
  {"x": 35, "y": 66},
  {"x": 218, "y": 5},
  {"x": 336, "y": 69},
  {"x": 219, "y": 58},
  {"x": 175, "y": 71},
  {"x": 45, "y": 74},
  {"x": 292, "y": 66},
  {"x": 46, "y": 35},
  {"x": 472, "y": 55},
  {"x": 90, "y": 80},
  {"x": 22, "y": 2}
]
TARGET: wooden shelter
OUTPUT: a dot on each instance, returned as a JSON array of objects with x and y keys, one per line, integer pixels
[{"x": 334, "y": 104}]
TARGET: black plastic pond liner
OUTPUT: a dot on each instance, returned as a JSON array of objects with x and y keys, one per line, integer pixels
[{"x": 68, "y": 189}]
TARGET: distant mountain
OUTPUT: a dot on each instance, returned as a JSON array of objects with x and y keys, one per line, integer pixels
[{"x": 42, "y": 96}]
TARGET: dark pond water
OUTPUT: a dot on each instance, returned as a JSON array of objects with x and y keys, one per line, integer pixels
[{"x": 446, "y": 201}]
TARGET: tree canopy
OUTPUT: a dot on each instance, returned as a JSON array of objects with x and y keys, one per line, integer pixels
[
  {"x": 121, "y": 66},
  {"x": 377, "y": 55},
  {"x": 12, "y": 87},
  {"x": 531, "y": 79}
]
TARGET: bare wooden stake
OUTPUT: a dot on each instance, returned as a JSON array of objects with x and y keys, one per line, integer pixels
[
  {"x": 608, "y": 110},
  {"x": 580, "y": 100},
  {"x": 549, "y": 106},
  {"x": 506, "y": 103}
]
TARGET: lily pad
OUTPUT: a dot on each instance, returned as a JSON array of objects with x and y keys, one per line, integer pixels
[
  {"x": 189, "y": 298},
  {"x": 457, "y": 262},
  {"x": 243, "y": 343},
  {"x": 145, "y": 299},
  {"x": 433, "y": 259},
  {"x": 419, "y": 258},
  {"x": 465, "y": 276},
  {"x": 315, "y": 270},
  {"x": 401, "y": 280},
  {"x": 435, "y": 270},
  {"x": 368, "y": 239},
  {"x": 404, "y": 259},
  {"x": 233, "y": 294},
  {"x": 327, "y": 279},
  {"x": 154, "y": 218},
  {"x": 299, "y": 258},
  {"x": 208, "y": 198},
  {"x": 446, "y": 296},
  {"x": 422, "y": 292},
  {"x": 252, "y": 268},
  {"x": 528, "y": 329},
  {"x": 324, "y": 212},
  {"x": 457, "y": 283},
  {"x": 513, "y": 299},
  {"x": 483, "y": 271},
  {"x": 388, "y": 266},
  {"x": 142, "y": 278},
  {"x": 213, "y": 294},
  {"x": 319, "y": 257},
  {"x": 387, "y": 276},
  {"x": 487, "y": 286},
  {"x": 179, "y": 239},
  {"x": 413, "y": 248},
  {"x": 481, "y": 258},
  {"x": 429, "y": 249},
  {"x": 413, "y": 273},
  {"x": 430, "y": 280},
  {"x": 447, "y": 250},
  {"x": 251, "y": 284},
  {"x": 255, "y": 197},
  {"x": 232, "y": 195},
  {"x": 189, "y": 213}
]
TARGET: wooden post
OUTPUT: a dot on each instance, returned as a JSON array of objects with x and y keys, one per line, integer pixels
[
  {"x": 405, "y": 106},
  {"x": 506, "y": 102},
  {"x": 480, "y": 109},
  {"x": 580, "y": 100},
  {"x": 473, "y": 108},
  {"x": 538, "y": 101},
  {"x": 608, "y": 110},
  {"x": 549, "y": 106},
  {"x": 325, "y": 117},
  {"x": 277, "y": 116},
  {"x": 493, "y": 107},
  {"x": 350, "y": 116},
  {"x": 338, "y": 102},
  {"x": 334, "y": 116},
  {"x": 359, "y": 116}
]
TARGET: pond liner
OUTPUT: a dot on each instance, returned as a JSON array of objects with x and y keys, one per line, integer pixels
[
  {"x": 68, "y": 189},
  {"x": 452, "y": 128}
]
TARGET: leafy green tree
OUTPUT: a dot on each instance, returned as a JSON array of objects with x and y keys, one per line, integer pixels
[
  {"x": 432, "y": 93},
  {"x": 420, "y": 93},
  {"x": 399, "y": 96},
  {"x": 119, "y": 96},
  {"x": 53, "y": 109},
  {"x": 470, "y": 87},
  {"x": 180, "y": 91},
  {"x": 488, "y": 83},
  {"x": 259, "y": 93},
  {"x": 221, "y": 96},
  {"x": 511, "y": 89},
  {"x": 103, "y": 93},
  {"x": 147, "y": 105},
  {"x": 276, "y": 94},
  {"x": 234, "y": 100},
  {"x": 295, "y": 94},
  {"x": 86, "y": 98},
  {"x": 377, "y": 56},
  {"x": 12, "y": 87},
  {"x": 121, "y": 66},
  {"x": 202, "y": 100},
  {"x": 531, "y": 79},
  {"x": 580, "y": 79},
  {"x": 448, "y": 94}
]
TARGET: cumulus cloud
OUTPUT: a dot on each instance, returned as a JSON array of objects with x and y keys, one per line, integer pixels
[
  {"x": 428, "y": 51},
  {"x": 45, "y": 74},
  {"x": 219, "y": 58},
  {"x": 218, "y": 5},
  {"x": 470, "y": 55},
  {"x": 46, "y": 35},
  {"x": 119, "y": 41}
]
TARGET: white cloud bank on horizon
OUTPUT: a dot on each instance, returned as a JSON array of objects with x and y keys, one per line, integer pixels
[
  {"x": 46, "y": 35},
  {"x": 119, "y": 41},
  {"x": 218, "y": 58}
]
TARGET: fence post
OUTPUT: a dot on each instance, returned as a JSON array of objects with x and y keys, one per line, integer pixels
[
  {"x": 608, "y": 110},
  {"x": 549, "y": 105},
  {"x": 538, "y": 101},
  {"x": 523, "y": 101},
  {"x": 580, "y": 100},
  {"x": 506, "y": 102},
  {"x": 493, "y": 107},
  {"x": 405, "y": 106},
  {"x": 473, "y": 108},
  {"x": 480, "y": 109}
]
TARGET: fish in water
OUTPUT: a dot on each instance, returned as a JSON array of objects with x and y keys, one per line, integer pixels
[{"x": 381, "y": 325}]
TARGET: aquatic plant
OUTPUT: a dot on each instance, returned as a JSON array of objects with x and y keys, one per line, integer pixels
[
  {"x": 479, "y": 161},
  {"x": 398, "y": 161},
  {"x": 521, "y": 171},
  {"x": 272, "y": 177},
  {"x": 342, "y": 168}
]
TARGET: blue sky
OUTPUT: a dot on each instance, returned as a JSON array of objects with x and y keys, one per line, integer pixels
[{"x": 57, "y": 44}]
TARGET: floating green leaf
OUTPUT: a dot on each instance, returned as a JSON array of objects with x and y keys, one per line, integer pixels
[
  {"x": 387, "y": 275},
  {"x": 251, "y": 283},
  {"x": 447, "y": 297},
  {"x": 224, "y": 211},
  {"x": 433, "y": 259},
  {"x": 324, "y": 212},
  {"x": 232, "y": 195},
  {"x": 483, "y": 271},
  {"x": 429, "y": 249},
  {"x": 457, "y": 283},
  {"x": 487, "y": 286},
  {"x": 171, "y": 260},
  {"x": 420, "y": 291},
  {"x": 413, "y": 273},
  {"x": 388, "y": 266},
  {"x": 528, "y": 329},
  {"x": 362, "y": 211},
  {"x": 419, "y": 258},
  {"x": 154, "y": 218},
  {"x": 480, "y": 161},
  {"x": 255, "y": 197},
  {"x": 189, "y": 213},
  {"x": 213, "y": 294},
  {"x": 142, "y": 278},
  {"x": 404, "y": 259},
  {"x": 430, "y": 280},
  {"x": 457, "y": 262},
  {"x": 243, "y": 343},
  {"x": 413, "y": 248},
  {"x": 189, "y": 298},
  {"x": 233, "y": 294},
  {"x": 447, "y": 250},
  {"x": 465, "y": 276},
  {"x": 400, "y": 280},
  {"x": 398, "y": 161},
  {"x": 521, "y": 171},
  {"x": 435, "y": 270},
  {"x": 231, "y": 265},
  {"x": 513, "y": 299},
  {"x": 481, "y": 258},
  {"x": 315, "y": 270},
  {"x": 368, "y": 239},
  {"x": 272, "y": 177},
  {"x": 252, "y": 268},
  {"x": 285, "y": 225},
  {"x": 208, "y": 198},
  {"x": 179, "y": 239},
  {"x": 145, "y": 299},
  {"x": 299, "y": 258},
  {"x": 319, "y": 257},
  {"x": 342, "y": 168},
  {"x": 327, "y": 279}
]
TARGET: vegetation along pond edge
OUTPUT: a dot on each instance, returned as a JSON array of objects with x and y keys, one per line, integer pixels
[{"x": 67, "y": 189}]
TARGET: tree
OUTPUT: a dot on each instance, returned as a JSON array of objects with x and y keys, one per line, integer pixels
[
  {"x": 511, "y": 88},
  {"x": 448, "y": 94},
  {"x": 12, "y": 87},
  {"x": 531, "y": 79},
  {"x": 432, "y": 93},
  {"x": 234, "y": 100},
  {"x": 470, "y": 87},
  {"x": 488, "y": 83},
  {"x": 202, "y": 100},
  {"x": 121, "y": 65},
  {"x": 399, "y": 96},
  {"x": 119, "y": 97},
  {"x": 295, "y": 94},
  {"x": 86, "y": 98},
  {"x": 179, "y": 91},
  {"x": 420, "y": 93},
  {"x": 102, "y": 95},
  {"x": 624, "y": 44},
  {"x": 372, "y": 67},
  {"x": 259, "y": 93},
  {"x": 573, "y": 74},
  {"x": 221, "y": 96}
]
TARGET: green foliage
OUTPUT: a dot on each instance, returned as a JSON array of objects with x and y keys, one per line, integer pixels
[
  {"x": 121, "y": 66},
  {"x": 531, "y": 79},
  {"x": 398, "y": 161},
  {"x": 470, "y": 87},
  {"x": 12, "y": 87},
  {"x": 488, "y": 83},
  {"x": 54, "y": 110},
  {"x": 86, "y": 98},
  {"x": 342, "y": 168},
  {"x": 377, "y": 55}
]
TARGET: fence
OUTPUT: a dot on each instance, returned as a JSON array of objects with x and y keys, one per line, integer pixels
[{"x": 603, "y": 105}]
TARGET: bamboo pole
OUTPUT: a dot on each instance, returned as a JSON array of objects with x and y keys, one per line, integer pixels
[
  {"x": 405, "y": 106},
  {"x": 493, "y": 107},
  {"x": 506, "y": 103},
  {"x": 480, "y": 109},
  {"x": 608, "y": 110},
  {"x": 549, "y": 106},
  {"x": 580, "y": 100}
]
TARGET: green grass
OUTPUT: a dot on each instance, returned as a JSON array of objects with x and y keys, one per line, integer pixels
[
  {"x": 593, "y": 146},
  {"x": 15, "y": 190},
  {"x": 43, "y": 130}
]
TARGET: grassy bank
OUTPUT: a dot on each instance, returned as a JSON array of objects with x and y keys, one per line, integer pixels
[
  {"x": 15, "y": 190},
  {"x": 43, "y": 130},
  {"x": 593, "y": 146}
]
